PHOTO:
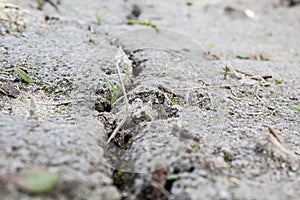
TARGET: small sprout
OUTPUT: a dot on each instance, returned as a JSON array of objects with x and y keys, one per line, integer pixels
[
  {"x": 115, "y": 93},
  {"x": 121, "y": 176},
  {"x": 36, "y": 181},
  {"x": 210, "y": 46},
  {"x": 242, "y": 56},
  {"x": 9, "y": 69},
  {"x": 25, "y": 76},
  {"x": 278, "y": 81},
  {"x": 98, "y": 18},
  {"x": 174, "y": 101},
  {"x": 239, "y": 95},
  {"x": 173, "y": 177},
  {"x": 143, "y": 23},
  {"x": 294, "y": 108},
  {"x": 59, "y": 61},
  {"x": 46, "y": 89}
]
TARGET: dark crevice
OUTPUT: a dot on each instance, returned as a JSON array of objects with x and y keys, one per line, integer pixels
[
  {"x": 123, "y": 180},
  {"x": 163, "y": 101},
  {"x": 123, "y": 139},
  {"x": 289, "y": 3},
  {"x": 169, "y": 184},
  {"x": 136, "y": 63}
]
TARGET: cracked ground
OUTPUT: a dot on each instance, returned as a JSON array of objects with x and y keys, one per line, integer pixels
[{"x": 202, "y": 97}]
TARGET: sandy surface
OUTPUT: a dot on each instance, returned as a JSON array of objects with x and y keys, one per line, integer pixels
[{"x": 195, "y": 118}]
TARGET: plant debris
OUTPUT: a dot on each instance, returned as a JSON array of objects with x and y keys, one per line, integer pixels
[
  {"x": 252, "y": 57},
  {"x": 50, "y": 18},
  {"x": 115, "y": 93},
  {"x": 246, "y": 78},
  {"x": 234, "y": 72},
  {"x": 121, "y": 59},
  {"x": 143, "y": 23},
  {"x": 278, "y": 81},
  {"x": 271, "y": 144}
]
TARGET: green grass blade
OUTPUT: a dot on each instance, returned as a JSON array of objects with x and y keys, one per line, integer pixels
[
  {"x": 98, "y": 18},
  {"x": 242, "y": 56},
  {"x": 8, "y": 69},
  {"x": 143, "y": 23},
  {"x": 25, "y": 76},
  {"x": 173, "y": 177},
  {"x": 294, "y": 108},
  {"x": 111, "y": 85}
]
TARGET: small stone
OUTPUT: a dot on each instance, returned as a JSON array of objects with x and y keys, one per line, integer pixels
[{"x": 10, "y": 90}]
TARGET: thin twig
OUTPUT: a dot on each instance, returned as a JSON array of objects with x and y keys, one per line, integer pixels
[
  {"x": 262, "y": 113},
  {"x": 3, "y": 91},
  {"x": 216, "y": 86},
  {"x": 231, "y": 68},
  {"x": 60, "y": 103},
  {"x": 127, "y": 106},
  {"x": 116, "y": 130},
  {"x": 264, "y": 103}
]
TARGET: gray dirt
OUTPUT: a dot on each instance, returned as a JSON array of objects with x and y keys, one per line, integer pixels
[{"x": 189, "y": 132}]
